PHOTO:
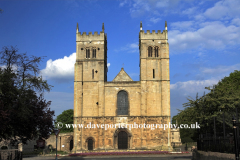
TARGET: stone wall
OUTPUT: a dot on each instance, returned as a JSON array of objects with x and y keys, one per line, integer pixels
[
  {"x": 64, "y": 140},
  {"x": 201, "y": 155},
  {"x": 138, "y": 138},
  {"x": 29, "y": 147}
]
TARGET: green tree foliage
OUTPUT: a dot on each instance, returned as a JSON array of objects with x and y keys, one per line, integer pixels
[
  {"x": 66, "y": 118},
  {"x": 174, "y": 120},
  {"x": 220, "y": 103},
  {"x": 24, "y": 113}
]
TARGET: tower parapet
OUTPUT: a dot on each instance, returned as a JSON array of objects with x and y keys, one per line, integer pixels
[
  {"x": 91, "y": 36},
  {"x": 153, "y": 35}
]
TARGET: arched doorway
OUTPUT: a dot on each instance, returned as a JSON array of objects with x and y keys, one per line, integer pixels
[
  {"x": 122, "y": 140},
  {"x": 90, "y": 144}
]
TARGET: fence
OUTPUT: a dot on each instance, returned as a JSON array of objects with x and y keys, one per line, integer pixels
[
  {"x": 10, "y": 154},
  {"x": 223, "y": 145},
  {"x": 183, "y": 147}
]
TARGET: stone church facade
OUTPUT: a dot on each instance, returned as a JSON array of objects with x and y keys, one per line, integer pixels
[{"x": 121, "y": 101}]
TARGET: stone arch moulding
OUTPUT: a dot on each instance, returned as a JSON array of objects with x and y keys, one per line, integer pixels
[
  {"x": 116, "y": 102},
  {"x": 86, "y": 143},
  {"x": 115, "y": 137}
]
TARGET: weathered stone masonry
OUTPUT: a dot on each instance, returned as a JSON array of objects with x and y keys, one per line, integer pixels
[{"x": 100, "y": 102}]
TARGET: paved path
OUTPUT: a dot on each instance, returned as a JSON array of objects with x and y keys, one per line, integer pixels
[{"x": 123, "y": 157}]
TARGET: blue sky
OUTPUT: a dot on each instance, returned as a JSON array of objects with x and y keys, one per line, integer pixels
[{"x": 203, "y": 39}]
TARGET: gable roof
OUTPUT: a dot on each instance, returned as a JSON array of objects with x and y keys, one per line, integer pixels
[{"x": 122, "y": 76}]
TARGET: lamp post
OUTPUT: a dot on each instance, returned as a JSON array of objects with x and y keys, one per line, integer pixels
[
  {"x": 235, "y": 138},
  {"x": 56, "y": 131}
]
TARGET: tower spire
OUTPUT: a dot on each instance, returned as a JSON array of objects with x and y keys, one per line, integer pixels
[
  {"x": 166, "y": 25},
  {"x": 140, "y": 25},
  {"x": 77, "y": 28},
  {"x": 103, "y": 27}
]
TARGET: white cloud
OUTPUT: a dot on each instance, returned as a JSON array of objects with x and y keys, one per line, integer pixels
[
  {"x": 192, "y": 86},
  {"x": 123, "y": 2},
  {"x": 13, "y": 67},
  {"x": 189, "y": 11},
  {"x": 225, "y": 9},
  {"x": 154, "y": 7},
  {"x": 180, "y": 91},
  {"x": 155, "y": 20},
  {"x": 236, "y": 21},
  {"x": 211, "y": 35},
  {"x": 129, "y": 48},
  {"x": 182, "y": 25},
  {"x": 162, "y": 4},
  {"x": 220, "y": 70},
  {"x": 133, "y": 45},
  {"x": 197, "y": 32},
  {"x": 60, "y": 70},
  {"x": 134, "y": 75}
]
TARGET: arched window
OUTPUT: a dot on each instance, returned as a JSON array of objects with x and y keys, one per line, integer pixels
[
  {"x": 94, "y": 53},
  {"x": 156, "y": 51},
  {"x": 122, "y": 103},
  {"x": 87, "y": 53},
  {"x": 149, "y": 51}
]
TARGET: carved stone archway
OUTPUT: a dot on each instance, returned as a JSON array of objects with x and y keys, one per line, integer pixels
[
  {"x": 122, "y": 132},
  {"x": 90, "y": 143}
]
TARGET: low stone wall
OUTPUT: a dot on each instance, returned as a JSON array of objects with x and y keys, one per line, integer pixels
[
  {"x": 10, "y": 154},
  {"x": 201, "y": 155},
  {"x": 63, "y": 141}
]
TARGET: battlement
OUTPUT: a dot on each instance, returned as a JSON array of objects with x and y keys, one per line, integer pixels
[
  {"x": 153, "y": 34},
  {"x": 90, "y": 36}
]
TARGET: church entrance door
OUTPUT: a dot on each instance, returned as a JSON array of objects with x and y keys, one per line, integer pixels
[
  {"x": 122, "y": 140},
  {"x": 90, "y": 144}
]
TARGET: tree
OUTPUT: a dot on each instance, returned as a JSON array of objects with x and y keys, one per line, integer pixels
[
  {"x": 66, "y": 117},
  {"x": 24, "y": 113},
  {"x": 222, "y": 101}
]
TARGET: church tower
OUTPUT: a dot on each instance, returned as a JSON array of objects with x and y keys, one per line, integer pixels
[
  {"x": 90, "y": 74},
  {"x": 154, "y": 72},
  {"x": 121, "y": 102}
]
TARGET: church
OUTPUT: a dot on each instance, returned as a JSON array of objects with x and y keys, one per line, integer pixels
[{"x": 119, "y": 114}]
